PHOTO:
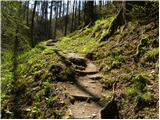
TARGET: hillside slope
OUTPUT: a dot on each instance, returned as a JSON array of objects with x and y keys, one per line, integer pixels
[{"x": 129, "y": 57}]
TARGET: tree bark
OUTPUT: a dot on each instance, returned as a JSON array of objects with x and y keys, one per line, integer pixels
[
  {"x": 50, "y": 20},
  {"x": 89, "y": 12},
  {"x": 32, "y": 24},
  {"x": 27, "y": 13},
  {"x": 72, "y": 23},
  {"x": 75, "y": 20},
  {"x": 46, "y": 19},
  {"x": 56, "y": 14},
  {"x": 79, "y": 13},
  {"x": 66, "y": 19}
]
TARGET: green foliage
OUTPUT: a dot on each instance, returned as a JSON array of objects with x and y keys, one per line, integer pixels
[
  {"x": 51, "y": 100},
  {"x": 83, "y": 41},
  {"x": 147, "y": 97},
  {"x": 67, "y": 74},
  {"x": 139, "y": 81},
  {"x": 13, "y": 24},
  {"x": 151, "y": 55},
  {"x": 131, "y": 91},
  {"x": 108, "y": 81}
]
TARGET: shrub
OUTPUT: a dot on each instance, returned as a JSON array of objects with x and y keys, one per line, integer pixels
[
  {"x": 139, "y": 81},
  {"x": 151, "y": 55},
  {"x": 131, "y": 91}
]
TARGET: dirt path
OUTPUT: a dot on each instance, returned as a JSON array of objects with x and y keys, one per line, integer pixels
[{"x": 85, "y": 91}]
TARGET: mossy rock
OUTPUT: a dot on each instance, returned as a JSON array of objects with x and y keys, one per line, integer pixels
[
  {"x": 55, "y": 69},
  {"x": 78, "y": 61},
  {"x": 145, "y": 100}
]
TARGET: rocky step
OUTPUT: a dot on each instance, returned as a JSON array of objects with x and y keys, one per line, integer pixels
[
  {"x": 84, "y": 72},
  {"x": 50, "y": 44},
  {"x": 79, "y": 67},
  {"x": 74, "y": 55},
  {"x": 91, "y": 67},
  {"x": 82, "y": 97},
  {"x": 84, "y": 110},
  {"x": 95, "y": 76},
  {"x": 78, "y": 61}
]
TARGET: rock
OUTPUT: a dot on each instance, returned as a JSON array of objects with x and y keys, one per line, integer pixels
[
  {"x": 83, "y": 73},
  {"x": 90, "y": 56},
  {"x": 78, "y": 61},
  {"x": 68, "y": 115},
  {"x": 95, "y": 76},
  {"x": 85, "y": 97},
  {"x": 93, "y": 115}
]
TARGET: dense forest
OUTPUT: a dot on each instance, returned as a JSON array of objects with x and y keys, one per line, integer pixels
[{"x": 79, "y": 59}]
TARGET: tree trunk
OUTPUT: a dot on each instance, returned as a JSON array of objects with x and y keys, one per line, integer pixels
[
  {"x": 32, "y": 24},
  {"x": 60, "y": 6},
  {"x": 56, "y": 14},
  {"x": 79, "y": 13},
  {"x": 89, "y": 12},
  {"x": 46, "y": 19},
  {"x": 66, "y": 19},
  {"x": 84, "y": 11},
  {"x": 27, "y": 13},
  {"x": 75, "y": 20},
  {"x": 72, "y": 24},
  {"x": 117, "y": 22},
  {"x": 50, "y": 20}
]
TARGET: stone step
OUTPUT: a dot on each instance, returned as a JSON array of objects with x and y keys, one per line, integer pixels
[
  {"x": 78, "y": 61},
  {"x": 95, "y": 76},
  {"x": 79, "y": 67},
  {"x": 91, "y": 67},
  {"x": 84, "y": 110},
  {"x": 74, "y": 55},
  {"x": 85, "y": 97},
  {"x": 83, "y": 73},
  {"x": 50, "y": 44}
]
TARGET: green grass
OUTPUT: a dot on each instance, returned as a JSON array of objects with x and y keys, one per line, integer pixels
[
  {"x": 84, "y": 41},
  {"x": 35, "y": 77}
]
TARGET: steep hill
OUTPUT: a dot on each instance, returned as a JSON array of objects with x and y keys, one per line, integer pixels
[{"x": 48, "y": 74}]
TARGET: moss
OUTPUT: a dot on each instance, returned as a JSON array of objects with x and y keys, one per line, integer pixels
[
  {"x": 131, "y": 91},
  {"x": 139, "y": 81},
  {"x": 68, "y": 74},
  {"x": 83, "y": 41},
  {"x": 151, "y": 55},
  {"x": 108, "y": 81}
]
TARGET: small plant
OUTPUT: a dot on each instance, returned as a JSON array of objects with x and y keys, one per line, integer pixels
[
  {"x": 50, "y": 101},
  {"x": 139, "y": 81},
  {"x": 108, "y": 82},
  {"x": 151, "y": 55},
  {"x": 131, "y": 91},
  {"x": 144, "y": 100},
  {"x": 116, "y": 64},
  {"x": 67, "y": 74}
]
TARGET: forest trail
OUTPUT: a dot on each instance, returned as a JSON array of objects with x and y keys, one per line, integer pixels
[{"x": 85, "y": 91}]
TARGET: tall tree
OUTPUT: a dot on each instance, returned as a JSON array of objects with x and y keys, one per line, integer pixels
[
  {"x": 50, "y": 20},
  {"x": 46, "y": 19},
  {"x": 75, "y": 17},
  {"x": 32, "y": 24},
  {"x": 89, "y": 12},
  {"x": 66, "y": 19},
  {"x": 79, "y": 12},
  {"x": 56, "y": 15},
  {"x": 60, "y": 8},
  {"x": 72, "y": 22},
  {"x": 84, "y": 10},
  {"x": 27, "y": 16}
]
